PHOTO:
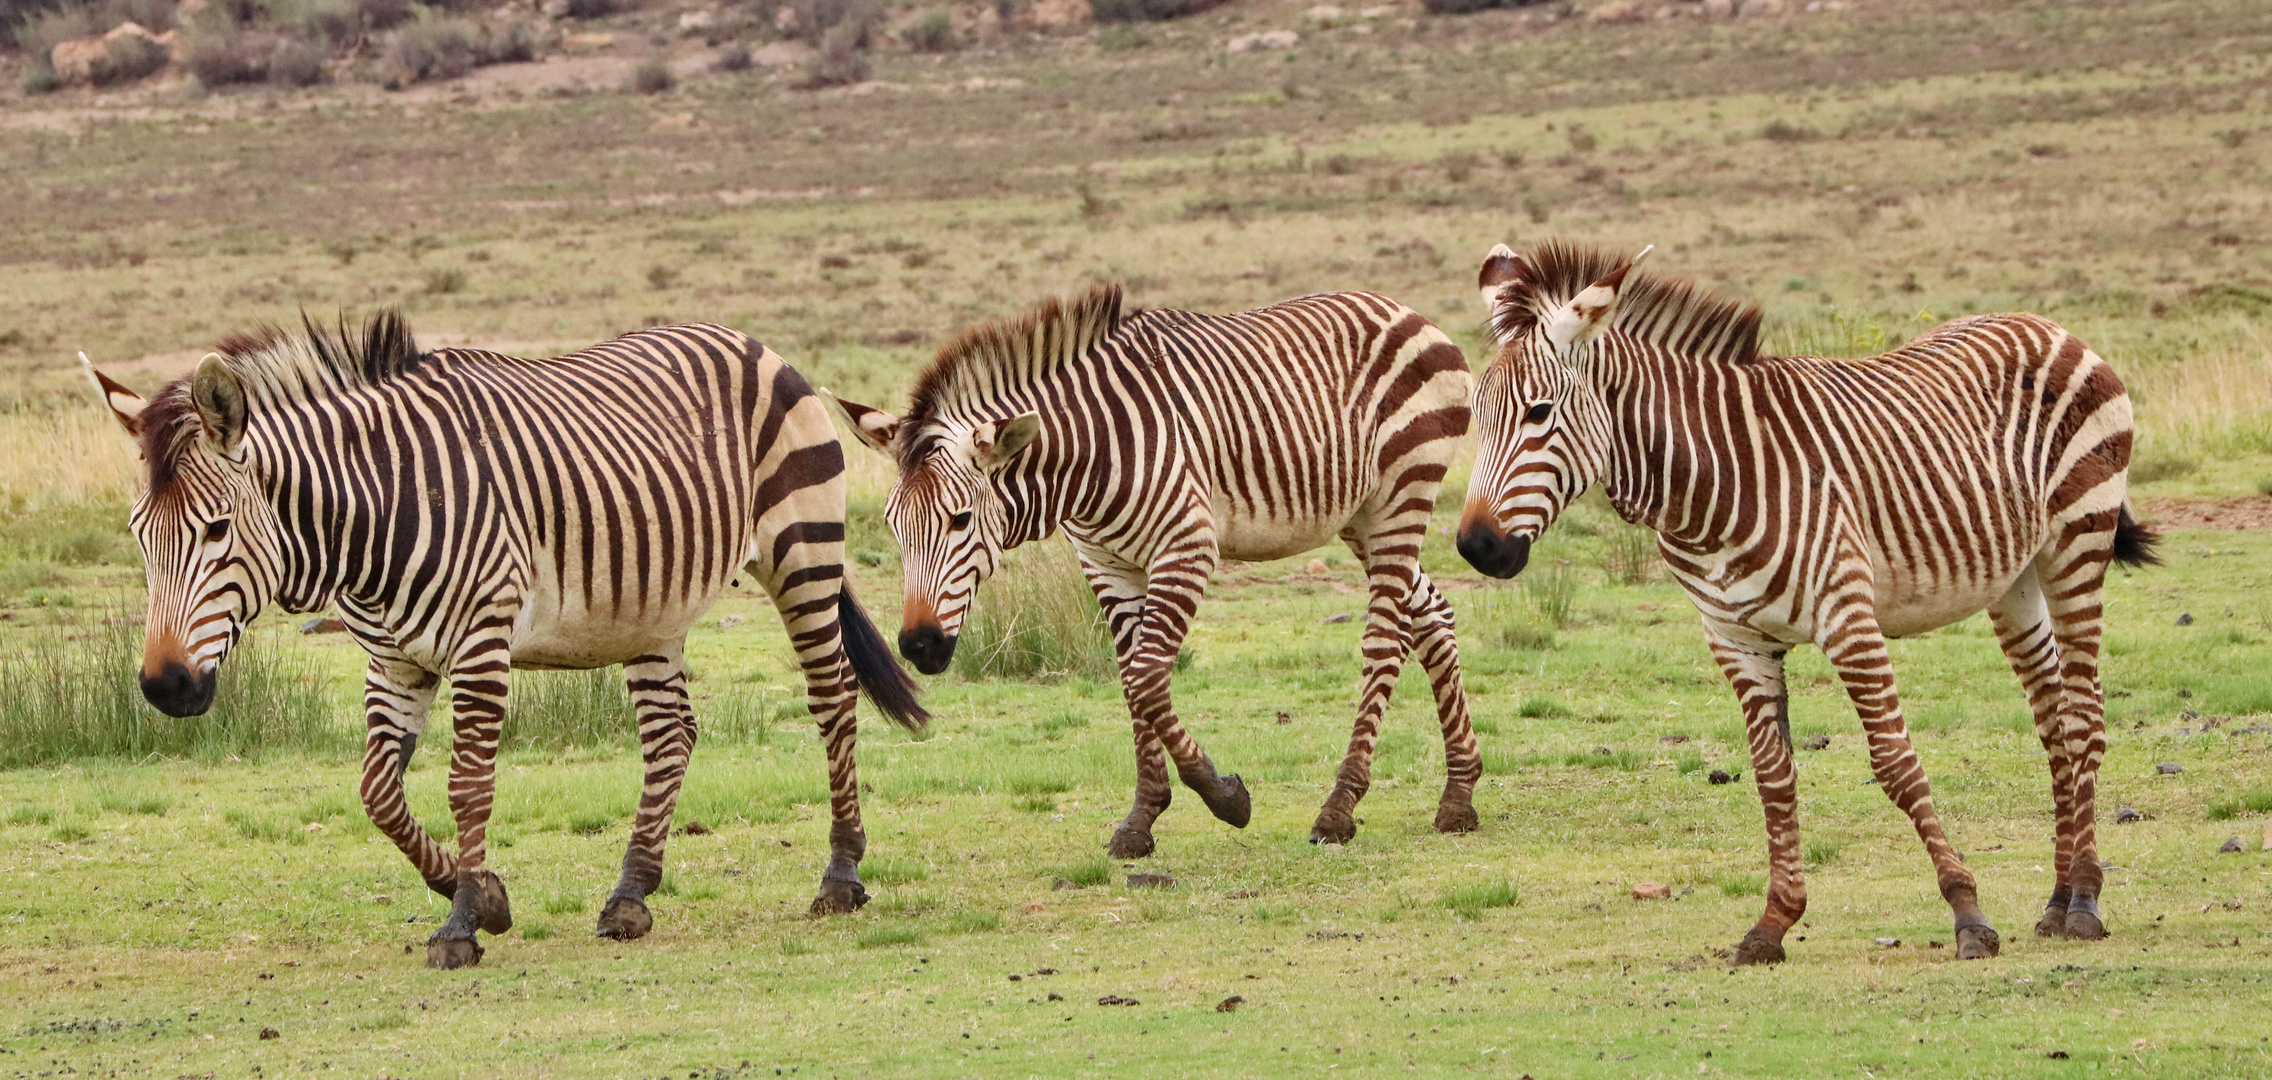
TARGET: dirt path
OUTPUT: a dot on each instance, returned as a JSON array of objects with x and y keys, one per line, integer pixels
[{"x": 2208, "y": 512}]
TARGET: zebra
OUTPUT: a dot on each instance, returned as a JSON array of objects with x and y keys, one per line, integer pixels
[
  {"x": 1163, "y": 442},
  {"x": 1840, "y": 502},
  {"x": 468, "y": 513}
]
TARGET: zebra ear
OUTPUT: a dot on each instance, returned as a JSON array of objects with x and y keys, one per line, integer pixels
[
  {"x": 125, "y": 405},
  {"x": 1588, "y": 315},
  {"x": 995, "y": 444},
  {"x": 220, "y": 400},
  {"x": 1498, "y": 272},
  {"x": 874, "y": 427}
]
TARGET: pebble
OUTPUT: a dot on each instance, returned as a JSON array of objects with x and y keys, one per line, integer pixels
[
  {"x": 2185, "y": 619},
  {"x": 2232, "y": 846},
  {"x": 1339, "y": 618},
  {"x": 2169, "y": 768},
  {"x": 1723, "y": 776},
  {"x": 1888, "y": 942},
  {"x": 1652, "y": 890},
  {"x": 2126, "y": 815},
  {"x": 1150, "y": 881}
]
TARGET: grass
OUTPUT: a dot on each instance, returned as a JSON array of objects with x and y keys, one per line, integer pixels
[
  {"x": 1036, "y": 619},
  {"x": 1849, "y": 170}
]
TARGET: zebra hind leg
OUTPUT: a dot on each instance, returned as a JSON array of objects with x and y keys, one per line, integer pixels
[
  {"x": 1758, "y": 681},
  {"x": 1436, "y": 644},
  {"x": 666, "y": 742},
  {"x": 2023, "y": 629},
  {"x": 2073, "y": 576}
]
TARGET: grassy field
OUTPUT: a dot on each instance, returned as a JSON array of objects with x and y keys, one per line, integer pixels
[{"x": 167, "y": 898}]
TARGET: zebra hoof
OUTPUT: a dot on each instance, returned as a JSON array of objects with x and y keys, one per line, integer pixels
[
  {"x": 1130, "y": 842},
  {"x": 625, "y": 919},
  {"x": 1333, "y": 827},
  {"x": 449, "y": 954},
  {"x": 1756, "y": 948},
  {"x": 2053, "y": 923},
  {"x": 496, "y": 907},
  {"x": 1977, "y": 942},
  {"x": 1229, "y": 801},
  {"x": 1457, "y": 818},
  {"x": 839, "y": 897},
  {"x": 2083, "y": 926}
]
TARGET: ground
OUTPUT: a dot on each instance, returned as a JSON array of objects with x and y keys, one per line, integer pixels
[{"x": 1861, "y": 172}]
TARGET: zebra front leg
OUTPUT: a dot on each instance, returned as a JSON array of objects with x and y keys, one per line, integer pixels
[
  {"x": 1435, "y": 642},
  {"x": 2023, "y": 629},
  {"x": 1119, "y": 589},
  {"x": 1856, "y": 648},
  {"x": 396, "y": 698},
  {"x": 2074, "y": 576},
  {"x": 1171, "y": 597},
  {"x": 479, "y": 682},
  {"x": 1387, "y": 638},
  {"x": 666, "y": 741},
  {"x": 1758, "y": 680}
]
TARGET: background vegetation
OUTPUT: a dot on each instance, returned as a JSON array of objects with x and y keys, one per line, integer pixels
[{"x": 1863, "y": 171}]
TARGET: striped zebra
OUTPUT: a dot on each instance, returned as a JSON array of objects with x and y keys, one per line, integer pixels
[
  {"x": 1164, "y": 442},
  {"x": 469, "y": 513},
  {"x": 1839, "y": 502}
]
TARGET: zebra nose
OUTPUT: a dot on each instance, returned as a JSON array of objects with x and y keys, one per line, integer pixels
[
  {"x": 177, "y": 691},
  {"x": 927, "y": 647},
  {"x": 1493, "y": 552}
]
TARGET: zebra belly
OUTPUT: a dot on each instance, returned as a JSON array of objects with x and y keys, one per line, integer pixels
[
  {"x": 1904, "y": 609},
  {"x": 578, "y": 639}
]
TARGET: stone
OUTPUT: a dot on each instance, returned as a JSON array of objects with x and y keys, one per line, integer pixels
[
  {"x": 1652, "y": 890},
  {"x": 1315, "y": 566},
  {"x": 1230, "y": 1004},
  {"x": 1150, "y": 881},
  {"x": 782, "y": 54},
  {"x": 2232, "y": 846},
  {"x": 2185, "y": 618},
  {"x": 2126, "y": 816},
  {"x": 1888, "y": 942},
  {"x": 2169, "y": 768},
  {"x": 1268, "y": 39},
  {"x": 324, "y": 625},
  {"x": 697, "y": 21},
  {"x": 1338, "y": 618},
  {"x": 1722, "y": 776}
]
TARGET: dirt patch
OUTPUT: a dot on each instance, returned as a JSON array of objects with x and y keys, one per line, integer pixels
[{"x": 2230, "y": 512}]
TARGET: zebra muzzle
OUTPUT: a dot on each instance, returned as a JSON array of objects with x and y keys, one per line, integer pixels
[
  {"x": 175, "y": 690},
  {"x": 928, "y": 648},
  {"x": 1493, "y": 552}
]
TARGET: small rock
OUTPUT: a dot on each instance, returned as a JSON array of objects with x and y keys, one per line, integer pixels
[
  {"x": 1116, "y": 999},
  {"x": 325, "y": 625},
  {"x": 2169, "y": 768},
  {"x": 1062, "y": 884},
  {"x": 1888, "y": 942},
  {"x": 270, "y": 1033},
  {"x": 1229, "y": 1004},
  {"x": 1150, "y": 881},
  {"x": 1339, "y": 618},
  {"x": 2232, "y": 846},
  {"x": 1315, "y": 566},
  {"x": 2185, "y": 619},
  {"x": 694, "y": 21},
  {"x": 1819, "y": 742},
  {"x": 1243, "y": 894},
  {"x": 2189, "y": 715},
  {"x": 1270, "y": 39},
  {"x": 1723, "y": 776},
  {"x": 1017, "y": 978},
  {"x": 696, "y": 828},
  {"x": 2057, "y": 1055},
  {"x": 1056, "y": 996},
  {"x": 1652, "y": 890},
  {"x": 2125, "y": 816}
]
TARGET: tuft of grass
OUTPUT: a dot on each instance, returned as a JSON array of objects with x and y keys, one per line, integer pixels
[
  {"x": 555, "y": 710},
  {"x": 1036, "y": 619},
  {"x": 889, "y": 870},
  {"x": 1553, "y": 593},
  {"x": 535, "y": 931},
  {"x": 28, "y": 814},
  {"x": 563, "y": 904},
  {"x": 1741, "y": 884},
  {"x": 1088, "y": 874},
  {"x": 1629, "y": 555},
  {"x": 652, "y": 77},
  {"x": 1544, "y": 708},
  {"x": 791, "y": 946},
  {"x": 1468, "y": 901},
  {"x": 1602, "y": 757},
  {"x": 262, "y": 828},
  {"x": 1822, "y": 852},
  {"x": 444, "y": 281},
  {"x": 880, "y": 937},
  {"x": 1035, "y": 804},
  {"x": 2258, "y": 801},
  {"x": 2159, "y": 467},
  {"x": 590, "y": 822},
  {"x": 1688, "y": 761},
  {"x": 934, "y": 32},
  {"x": 70, "y": 832},
  {"x": 974, "y": 922}
]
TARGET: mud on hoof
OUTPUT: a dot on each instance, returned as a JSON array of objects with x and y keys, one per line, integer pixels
[
  {"x": 839, "y": 897},
  {"x": 1977, "y": 942},
  {"x": 2083, "y": 926},
  {"x": 1228, "y": 800},
  {"x": 449, "y": 954},
  {"x": 625, "y": 919},
  {"x": 1457, "y": 818},
  {"x": 496, "y": 907},
  {"x": 2053, "y": 923},
  {"x": 1333, "y": 827},
  {"x": 1756, "y": 948},
  {"x": 1130, "y": 842}
]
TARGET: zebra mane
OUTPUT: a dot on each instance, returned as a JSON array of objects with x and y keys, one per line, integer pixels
[
  {"x": 277, "y": 365},
  {"x": 1004, "y": 355},
  {"x": 1675, "y": 313}
]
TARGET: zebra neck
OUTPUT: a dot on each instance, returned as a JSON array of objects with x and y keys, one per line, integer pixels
[
  {"x": 1662, "y": 466},
  {"x": 314, "y": 524}
]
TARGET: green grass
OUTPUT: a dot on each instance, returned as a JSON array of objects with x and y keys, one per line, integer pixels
[
  {"x": 1472, "y": 900},
  {"x": 2258, "y": 801},
  {"x": 1088, "y": 872}
]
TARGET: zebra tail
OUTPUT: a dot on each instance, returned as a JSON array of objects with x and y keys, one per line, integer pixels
[
  {"x": 2134, "y": 543},
  {"x": 881, "y": 678}
]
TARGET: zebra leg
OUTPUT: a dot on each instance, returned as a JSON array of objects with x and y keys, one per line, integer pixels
[
  {"x": 2023, "y": 628},
  {"x": 396, "y": 697},
  {"x": 1757, "y": 677},
  {"x": 2073, "y": 576},
  {"x": 1849, "y": 635},
  {"x": 479, "y": 681},
  {"x": 666, "y": 741},
  {"x": 1120, "y": 592},
  {"x": 1388, "y": 637},
  {"x": 832, "y": 694},
  {"x": 1173, "y": 588},
  {"x": 1436, "y": 643}
]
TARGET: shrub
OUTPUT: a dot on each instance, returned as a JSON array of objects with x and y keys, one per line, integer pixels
[
  {"x": 1783, "y": 131},
  {"x": 652, "y": 77},
  {"x": 384, "y": 14},
  {"x": 933, "y": 33},
  {"x": 595, "y": 9},
  {"x": 734, "y": 57},
  {"x": 816, "y": 18},
  {"x": 131, "y": 59},
  {"x": 1037, "y": 618},
  {"x": 1467, "y": 7},
  {"x": 1630, "y": 556},
  {"x": 337, "y": 22},
  {"x": 298, "y": 63},
  {"x": 39, "y": 78},
  {"x": 225, "y": 56},
  {"x": 445, "y": 280},
  {"x": 445, "y": 48},
  {"x": 660, "y": 277},
  {"x": 842, "y": 60},
  {"x": 1110, "y": 11},
  {"x": 553, "y": 710}
]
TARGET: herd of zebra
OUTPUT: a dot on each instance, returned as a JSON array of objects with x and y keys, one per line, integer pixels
[{"x": 467, "y": 513}]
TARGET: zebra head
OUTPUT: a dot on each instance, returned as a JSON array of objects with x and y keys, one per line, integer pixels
[
  {"x": 947, "y": 515},
  {"x": 208, "y": 537},
  {"x": 1544, "y": 429}
]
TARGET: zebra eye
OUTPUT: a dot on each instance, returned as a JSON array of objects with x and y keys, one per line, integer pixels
[
  {"x": 960, "y": 521},
  {"x": 216, "y": 530},
  {"x": 1539, "y": 412}
]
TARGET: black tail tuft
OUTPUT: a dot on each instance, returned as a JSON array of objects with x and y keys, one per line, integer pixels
[
  {"x": 2134, "y": 543},
  {"x": 880, "y": 675}
]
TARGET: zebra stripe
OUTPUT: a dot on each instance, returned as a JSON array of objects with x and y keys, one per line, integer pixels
[
  {"x": 1165, "y": 442},
  {"x": 469, "y": 513},
  {"x": 1981, "y": 466}
]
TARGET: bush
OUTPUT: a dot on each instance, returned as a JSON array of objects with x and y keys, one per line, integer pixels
[
  {"x": 815, "y": 18},
  {"x": 595, "y": 9},
  {"x": 841, "y": 62},
  {"x": 1110, "y": 11},
  {"x": 384, "y": 14},
  {"x": 337, "y": 22},
  {"x": 221, "y": 57},
  {"x": 444, "y": 281},
  {"x": 554, "y": 710},
  {"x": 41, "y": 79},
  {"x": 1468, "y": 7},
  {"x": 734, "y": 57},
  {"x": 298, "y": 63},
  {"x": 652, "y": 77},
  {"x": 1036, "y": 619},
  {"x": 445, "y": 48},
  {"x": 933, "y": 33},
  {"x": 132, "y": 59}
]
